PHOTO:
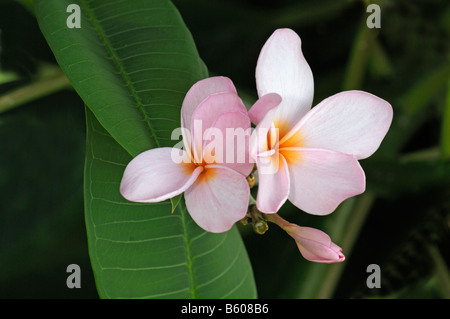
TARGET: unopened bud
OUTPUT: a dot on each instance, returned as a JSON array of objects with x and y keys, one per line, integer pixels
[
  {"x": 260, "y": 227},
  {"x": 246, "y": 220},
  {"x": 251, "y": 180}
]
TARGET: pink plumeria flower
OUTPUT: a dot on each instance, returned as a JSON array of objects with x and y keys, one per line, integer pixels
[
  {"x": 216, "y": 192},
  {"x": 309, "y": 156},
  {"x": 315, "y": 245}
]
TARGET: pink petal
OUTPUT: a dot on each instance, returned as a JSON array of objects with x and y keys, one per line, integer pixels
[
  {"x": 227, "y": 142},
  {"x": 352, "y": 122},
  {"x": 282, "y": 69},
  {"x": 218, "y": 198},
  {"x": 200, "y": 91},
  {"x": 207, "y": 113},
  {"x": 273, "y": 183},
  {"x": 262, "y": 106},
  {"x": 258, "y": 139},
  {"x": 322, "y": 179},
  {"x": 300, "y": 233},
  {"x": 316, "y": 246},
  {"x": 153, "y": 176}
]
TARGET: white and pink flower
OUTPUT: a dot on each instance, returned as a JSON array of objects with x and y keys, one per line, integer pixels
[
  {"x": 216, "y": 192},
  {"x": 306, "y": 155},
  {"x": 309, "y": 156}
]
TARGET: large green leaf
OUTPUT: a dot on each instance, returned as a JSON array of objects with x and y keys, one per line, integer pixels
[
  {"x": 132, "y": 62},
  {"x": 144, "y": 251}
]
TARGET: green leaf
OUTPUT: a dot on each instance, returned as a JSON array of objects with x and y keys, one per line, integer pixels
[
  {"x": 132, "y": 63},
  {"x": 144, "y": 251}
]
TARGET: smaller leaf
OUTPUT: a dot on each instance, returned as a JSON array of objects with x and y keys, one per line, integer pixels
[{"x": 175, "y": 201}]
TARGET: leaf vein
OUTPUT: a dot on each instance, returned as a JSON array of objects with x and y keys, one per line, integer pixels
[{"x": 120, "y": 67}]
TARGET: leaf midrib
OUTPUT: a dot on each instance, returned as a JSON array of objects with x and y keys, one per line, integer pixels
[
  {"x": 190, "y": 261},
  {"x": 122, "y": 72}
]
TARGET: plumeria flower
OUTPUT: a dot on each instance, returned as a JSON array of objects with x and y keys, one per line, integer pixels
[
  {"x": 309, "y": 156},
  {"x": 216, "y": 192}
]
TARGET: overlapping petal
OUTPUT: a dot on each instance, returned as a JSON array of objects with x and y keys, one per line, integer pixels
[
  {"x": 265, "y": 135},
  {"x": 199, "y": 92},
  {"x": 218, "y": 199},
  {"x": 263, "y": 105},
  {"x": 206, "y": 114},
  {"x": 227, "y": 142},
  {"x": 274, "y": 183}
]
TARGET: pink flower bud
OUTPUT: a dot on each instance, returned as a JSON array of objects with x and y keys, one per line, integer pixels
[{"x": 315, "y": 245}]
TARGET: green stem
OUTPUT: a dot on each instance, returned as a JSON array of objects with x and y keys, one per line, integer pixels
[
  {"x": 441, "y": 269},
  {"x": 6, "y": 77},
  {"x": 445, "y": 135},
  {"x": 301, "y": 13},
  {"x": 252, "y": 200},
  {"x": 428, "y": 87},
  {"x": 276, "y": 219},
  {"x": 424, "y": 155},
  {"x": 412, "y": 107},
  {"x": 359, "y": 56},
  {"x": 356, "y": 221},
  {"x": 42, "y": 86}
]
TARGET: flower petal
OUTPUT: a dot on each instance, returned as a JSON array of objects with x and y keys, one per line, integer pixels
[
  {"x": 282, "y": 69},
  {"x": 259, "y": 138},
  {"x": 207, "y": 113},
  {"x": 273, "y": 183},
  {"x": 262, "y": 106},
  {"x": 218, "y": 198},
  {"x": 200, "y": 91},
  {"x": 322, "y": 179},
  {"x": 352, "y": 122},
  {"x": 227, "y": 141},
  {"x": 153, "y": 176}
]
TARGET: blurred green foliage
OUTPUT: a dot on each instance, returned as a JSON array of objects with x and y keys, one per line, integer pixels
[{"x": 401, "y": 223}]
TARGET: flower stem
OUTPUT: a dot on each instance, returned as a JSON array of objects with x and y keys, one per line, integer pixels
[
  {"x": 441, "y": 269},
  {"x": 50, "y": 82},
  {"x": 276, "y": 219},
  {"x": 353, "y": 227},
  {"x": 359, "y": 56},
  {"x": 445, "y": 135}
]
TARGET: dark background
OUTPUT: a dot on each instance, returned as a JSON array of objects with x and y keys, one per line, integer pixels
[{"x": 42, "y": 146}]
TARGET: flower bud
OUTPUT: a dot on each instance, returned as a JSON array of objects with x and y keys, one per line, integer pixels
[
  {"x": 260, "y": 227},
  {"x": 315, "y": 245}
]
